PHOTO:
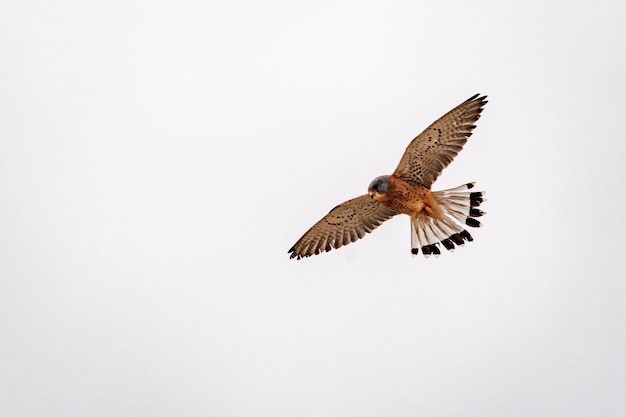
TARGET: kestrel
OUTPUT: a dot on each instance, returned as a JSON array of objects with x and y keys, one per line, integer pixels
[{"x": 436, "y": 216}]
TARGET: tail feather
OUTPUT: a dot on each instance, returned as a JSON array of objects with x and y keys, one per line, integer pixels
[{"x": 459, "y": 207}]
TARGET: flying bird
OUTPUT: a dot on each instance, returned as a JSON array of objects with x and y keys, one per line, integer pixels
[{"x": 437, "y": 217}]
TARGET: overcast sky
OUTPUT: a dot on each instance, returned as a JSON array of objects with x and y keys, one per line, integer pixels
[{"x": 158, "y": 159}]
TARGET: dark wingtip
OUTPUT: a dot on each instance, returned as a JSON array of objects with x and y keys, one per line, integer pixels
[
  {"x": 448, "y": 244},
  {"x": 465, "y": 235},
  {"x": 476, "y": 198},
  {"x": 294, "y": 254},
  {"x": 456, "y": 238},
  {"x": 472, "y": 222},
  {"x": 415, "y": 251},
  {"x": 474, "y": 212},
  {"x": 477, "y": 98},
  {"x": 482, "y": 100},
  {"x": 431, "y": 249}
]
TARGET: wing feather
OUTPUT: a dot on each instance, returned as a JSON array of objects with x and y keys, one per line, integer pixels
[
  {"x": 346, "y": 223},
  {"x": 433, "y": 149}
]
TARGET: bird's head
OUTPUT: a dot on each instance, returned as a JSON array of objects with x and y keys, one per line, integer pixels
[{"x": 379, "y": 187}]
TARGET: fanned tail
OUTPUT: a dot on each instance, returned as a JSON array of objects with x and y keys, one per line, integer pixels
[{"x": 460, "y": 208}]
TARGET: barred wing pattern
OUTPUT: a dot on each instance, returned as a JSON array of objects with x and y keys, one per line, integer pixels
[
  {"x": 346, "y": 223},
  {"x": 433, "y": 149}
]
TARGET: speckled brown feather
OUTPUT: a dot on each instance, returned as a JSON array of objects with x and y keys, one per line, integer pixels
[
  {"x": 433, "y": 149},
  {"x": 344, "y": 224}
]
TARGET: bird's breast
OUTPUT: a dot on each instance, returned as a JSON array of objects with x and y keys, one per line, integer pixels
[{"x": 410, "y": 198}]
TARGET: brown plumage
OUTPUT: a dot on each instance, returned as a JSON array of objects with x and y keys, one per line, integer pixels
[{"x": 436, "y": 217}]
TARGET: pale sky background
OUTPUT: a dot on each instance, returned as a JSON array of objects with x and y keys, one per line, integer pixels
[{"x": 158, "y": 159}]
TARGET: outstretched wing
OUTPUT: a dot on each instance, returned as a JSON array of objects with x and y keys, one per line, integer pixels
[
  {"x": 344, "y": 224},
  {"x": 433, "y": 149}
]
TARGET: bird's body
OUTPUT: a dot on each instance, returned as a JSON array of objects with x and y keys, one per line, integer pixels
[
  {"x": 408, "y": 198},
  {"x": 437, "y": 217}
]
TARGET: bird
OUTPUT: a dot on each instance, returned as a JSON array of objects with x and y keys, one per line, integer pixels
[{"x": 437, "y": 217}]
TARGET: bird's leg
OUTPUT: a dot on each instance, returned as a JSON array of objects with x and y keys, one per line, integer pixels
[{"x": 427, "y": 211}]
